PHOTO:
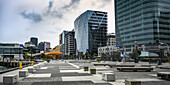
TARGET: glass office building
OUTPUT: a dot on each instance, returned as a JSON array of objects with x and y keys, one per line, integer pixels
[
  {"x": 142, "y": 20},
  {"x": 90, "y": 31}
]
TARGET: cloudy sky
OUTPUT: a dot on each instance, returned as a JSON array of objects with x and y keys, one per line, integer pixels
[{"x": 45, "y": 19}]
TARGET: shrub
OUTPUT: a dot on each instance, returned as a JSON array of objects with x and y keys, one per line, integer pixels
[{"x": 99, "y": 59}]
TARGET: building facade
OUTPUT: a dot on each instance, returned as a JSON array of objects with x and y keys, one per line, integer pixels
[
  {"x": 111, "y": 41},
  {"x": 90, "y": 30},
  {"x": 11, "y": 50},
  {"x": 142, "y": 20},
  {"x": 34, "y": 41},
  {"x": 44, "y": 46},
  {"x": 62, "y": 42},
  {"x": 29, "y": 44},
  {"x": 70, "y": 46}
]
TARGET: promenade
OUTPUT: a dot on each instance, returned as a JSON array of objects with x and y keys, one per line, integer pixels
[{"x": 59, "y": 72}]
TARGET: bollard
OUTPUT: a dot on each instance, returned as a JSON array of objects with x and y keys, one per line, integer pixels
[
  {"x": 32, "y": 63},
  {"x": 20, "y": 65}
]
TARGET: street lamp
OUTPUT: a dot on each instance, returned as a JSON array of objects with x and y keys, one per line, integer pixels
[{"x": 136, "y": 53}]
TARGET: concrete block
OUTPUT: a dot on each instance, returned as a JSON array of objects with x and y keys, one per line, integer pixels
[
  {"x": 145, "y": 82},
  {"x": 86, "y": 68},
  {"x": 108, "y": 76},
  {"x": 23, "y": 73},
  {"x": 31, "y": 70},
  {"x": 92, "y": 70},
  {"x": 35, "y": 67},
  {"x": 132, "y": 82},
  {"x": 10, "y": 79}
]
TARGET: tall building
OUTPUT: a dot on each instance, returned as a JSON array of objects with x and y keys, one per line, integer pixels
[
  {"x": 142, "y": 20},
  {"x": 62, "y": 42},
  {"x": 44, "y": 46},
  {"x": 47, "y": 46},
  {"x": 34, "y": 41},
  {"x": 90, "y": 31},
  {"x": 41, "y": 46},
  {"x": 70, "y": 46}
]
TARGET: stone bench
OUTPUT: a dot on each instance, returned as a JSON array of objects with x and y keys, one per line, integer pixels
[
  {"x": 108, "y": 76},
  {"x": 86, "y": 68},
  {"x": 10, "y": 79},
  {"x": 31, "y": 70},
  {"x": 114, "y": 65},
  {"x": 145, "y": 65},
  {"x": 145, "y": 82},
  {"x": 35, "y": 67},
  {"x": 92, "y": 70},
  {"x": 23, "y": 73},
  {"x": 164, "y": 75},
  {"x": 148, "y": 69},
  {"x": 101, "y": 64}
]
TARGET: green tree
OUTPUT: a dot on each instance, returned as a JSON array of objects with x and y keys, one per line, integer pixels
[
  {"x": 94, "y": 54},
  {"x": 42, "y": 55},
  {"x": 88, "y": 55},
  {"x": 138, "y": 50},
  {"x": 83, "y": 56},
  {"x": 99, "y": 59}
]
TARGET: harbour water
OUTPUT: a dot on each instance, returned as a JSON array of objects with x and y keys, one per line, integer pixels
[{"x": 3, "y": 68}]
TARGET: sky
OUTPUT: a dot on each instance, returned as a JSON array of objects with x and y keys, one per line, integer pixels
[{"x": 45, "y": 19}]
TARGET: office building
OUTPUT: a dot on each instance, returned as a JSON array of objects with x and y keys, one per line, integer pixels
[
  {"x": 11, "y": 50},
  {"x": 29, "y": 44},
  {"x": 142, "y": 20},
  {"x": 44, "y": 46},
  {"x": 90, "y": 30},
  {"x": 34, "y": 41},
  {"x": 62, "y": 42},
  {"x": 111, "y": 41},
  {"x": 70, "y": 47}
]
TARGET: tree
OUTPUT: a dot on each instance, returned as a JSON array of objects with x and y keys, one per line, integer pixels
[
  {"x": 104, "y": 56},
  {"x": 42, "y": 55},
  {"x": 83, "y": 56},
  {"x": 28, "y": 56},
  {"x": 138, "y": 50},
  {"x": 94, "y": 54},
  {"x": 88, "y": 55}
]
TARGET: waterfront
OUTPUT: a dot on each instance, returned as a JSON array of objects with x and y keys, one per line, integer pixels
[{"x": 4, "y": 68}]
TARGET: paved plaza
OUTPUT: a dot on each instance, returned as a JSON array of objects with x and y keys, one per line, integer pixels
[{"x": 71, "y": 72}]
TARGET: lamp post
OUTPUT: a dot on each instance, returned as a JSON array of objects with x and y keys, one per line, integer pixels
[{"x": 136, "y": 52}]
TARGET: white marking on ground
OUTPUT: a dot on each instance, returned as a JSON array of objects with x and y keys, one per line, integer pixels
[
  {"x": 74, "y": 65},
  {"x": 155, "y": 75},
  {"x": 39, "y": 75},
  {"x": 43, "y": 67}
]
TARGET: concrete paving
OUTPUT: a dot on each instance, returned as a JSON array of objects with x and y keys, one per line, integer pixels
[{"x": 59, "y": 72}]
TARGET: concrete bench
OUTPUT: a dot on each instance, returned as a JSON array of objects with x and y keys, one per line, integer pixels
[
  {"x": 114, "y": 65},
  {"x": 31, "y": 70},
  {"x": 10, "y": 79},
  {"x": 92, "y": 70},
  {"x": 101, "y": 64},
  {"x": 23, "y": 73},
  {"x": 145, "y": 65},
  {"x": 108, "y": 76},
  {"x": 148, "y": 69},
  {"x": 164, "y": 75},
  {"x": 86, "y": 68},
  {"x": 145, "y": 82},
  {"x": 35, "y": 67}
]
